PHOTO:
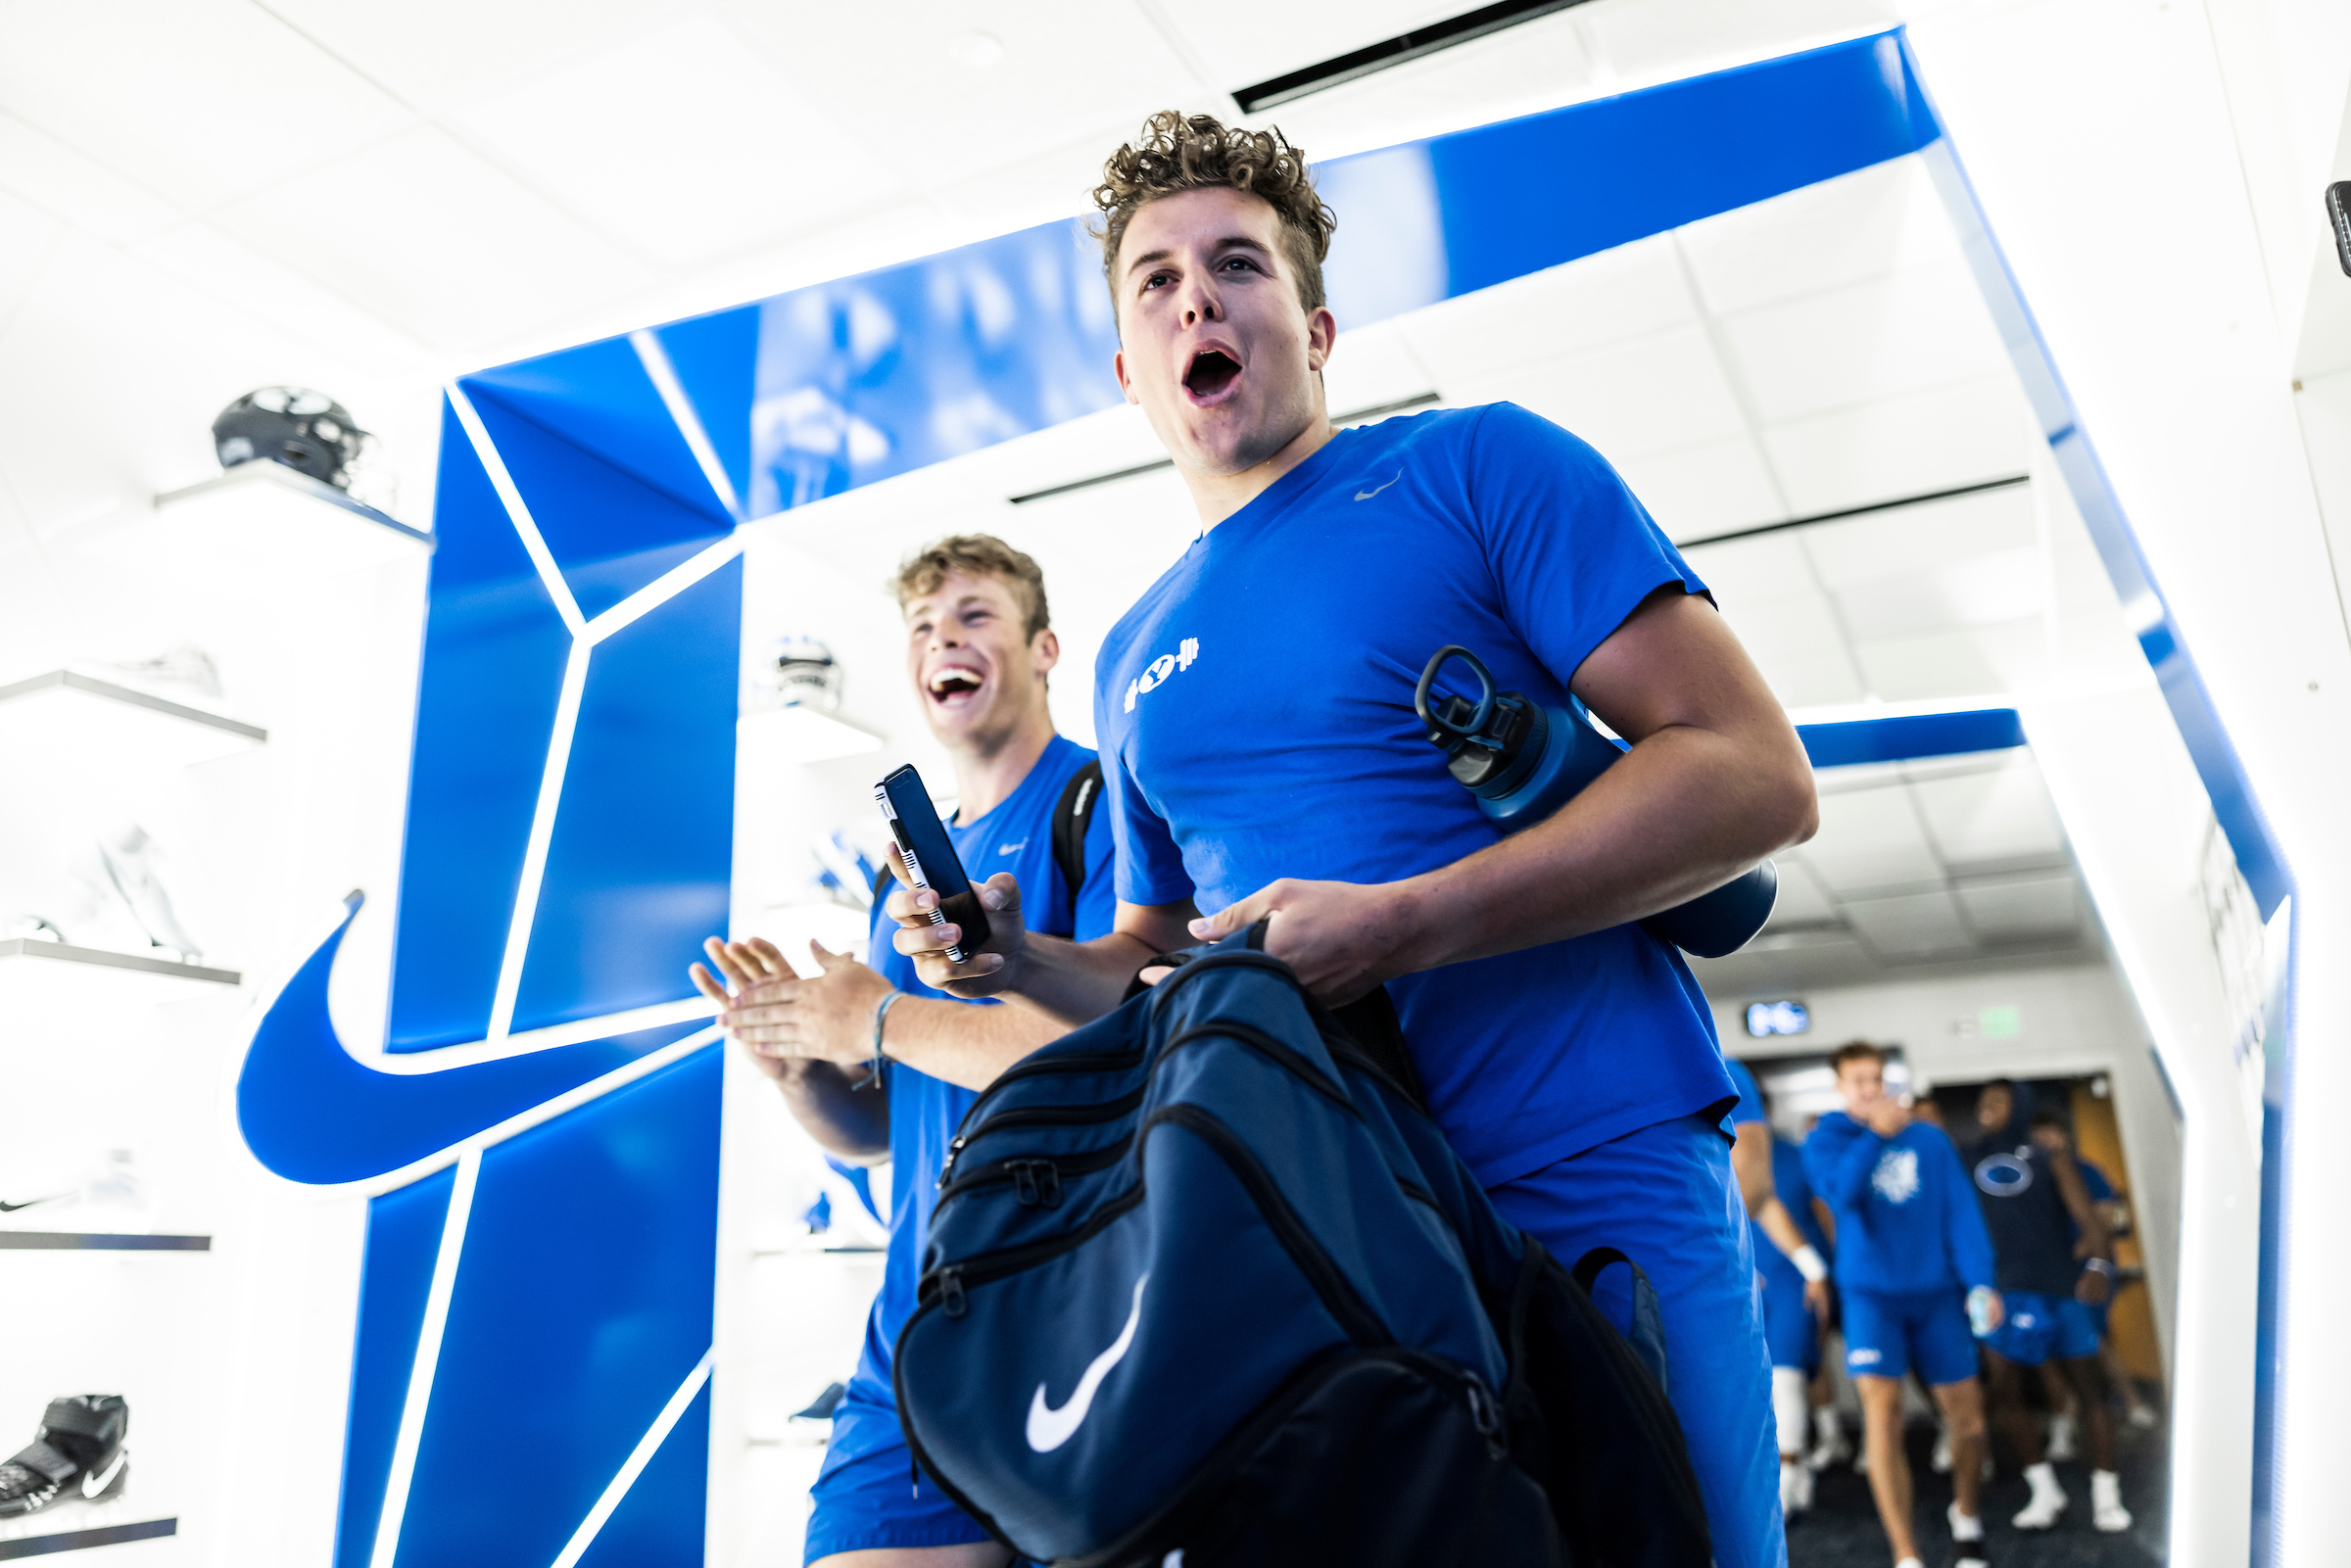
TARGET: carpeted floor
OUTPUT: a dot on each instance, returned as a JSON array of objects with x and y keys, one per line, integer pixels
[{"x": 1841, "y": 1531}]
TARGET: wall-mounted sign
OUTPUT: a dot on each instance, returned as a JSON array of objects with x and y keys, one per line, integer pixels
[{"x": 1768, "y": 1018}]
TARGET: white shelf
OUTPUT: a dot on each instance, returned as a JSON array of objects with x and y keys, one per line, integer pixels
[
  {"x": 36, "y": 974},
  {"x": 67, "y": 715},
  {"x": 259, "y": 527},
  {"x": 36, "y": 1536}
]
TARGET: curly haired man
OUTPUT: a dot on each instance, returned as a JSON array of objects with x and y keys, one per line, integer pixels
[{"x": 1262, "y": 761}]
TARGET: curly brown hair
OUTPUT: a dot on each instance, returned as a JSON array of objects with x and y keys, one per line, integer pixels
[
  {"x": 1179, "y": 152},
  {"x": 978, "y": 555}
]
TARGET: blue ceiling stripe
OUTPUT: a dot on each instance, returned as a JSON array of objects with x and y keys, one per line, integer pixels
[{"x": 1907, "y": 737}]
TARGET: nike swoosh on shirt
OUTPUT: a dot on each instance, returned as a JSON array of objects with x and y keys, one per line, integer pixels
[
  {"x": 1366, "y": 494},
  {"x": 1048, "y": 1428},
  {"x": 10, "y": 1209}
]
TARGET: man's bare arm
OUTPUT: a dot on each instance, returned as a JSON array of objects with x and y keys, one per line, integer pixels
[
  {"x": 1751, "y": 1162},
  {"x": 1068, "y": 983},
  {"x": 1716, "y": 781}
]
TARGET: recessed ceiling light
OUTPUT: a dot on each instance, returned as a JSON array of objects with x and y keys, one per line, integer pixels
[{"x": 977, "y": 51}]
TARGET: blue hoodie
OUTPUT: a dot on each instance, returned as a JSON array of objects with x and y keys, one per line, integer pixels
[{"x": 1906, "y": 1217}]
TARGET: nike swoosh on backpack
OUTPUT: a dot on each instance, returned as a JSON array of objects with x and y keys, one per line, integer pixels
[
  {"x": 10, "y": 1209},
  {"x": 1366, "y": 494},
  {"x": 1048, "y": 1428}
]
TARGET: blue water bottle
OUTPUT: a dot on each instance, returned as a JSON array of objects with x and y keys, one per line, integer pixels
[{"x": 1524, "y": 761}]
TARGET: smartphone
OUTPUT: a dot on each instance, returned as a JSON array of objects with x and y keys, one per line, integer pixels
[{"x": 930, "y": 857}]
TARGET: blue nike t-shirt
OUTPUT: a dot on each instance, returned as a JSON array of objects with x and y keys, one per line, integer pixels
[
  {"x": 925, "y": 1112},
  {"x": 1255, "y": 714}
]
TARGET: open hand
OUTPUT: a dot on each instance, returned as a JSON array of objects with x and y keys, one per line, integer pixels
[
  {"x": 782, "y": 1019},
  {"x": 1343, "y": 939},
  {"x": 983, "y": 973}
]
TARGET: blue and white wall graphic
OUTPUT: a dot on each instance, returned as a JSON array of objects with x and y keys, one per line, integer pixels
[{"x": 539, "y": 1130}]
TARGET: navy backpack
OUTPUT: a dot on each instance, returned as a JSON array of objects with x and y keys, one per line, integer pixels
[{"x": 1206, "y": 1287}]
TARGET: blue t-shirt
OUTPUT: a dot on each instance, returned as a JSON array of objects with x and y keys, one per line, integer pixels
[
  {"x": 1255, "y": 714},
  {"x": 925, "y": 1112},
  {"x": 1906, "y": 1217},
  {"x": 1787, "y": 1181},
  {"x": 1751, "y": 1098}
]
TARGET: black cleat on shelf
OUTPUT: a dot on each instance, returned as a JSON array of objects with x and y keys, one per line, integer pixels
[{"x": 80, "y": 1444}]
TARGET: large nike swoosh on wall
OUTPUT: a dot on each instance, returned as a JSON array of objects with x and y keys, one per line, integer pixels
[
  {"x": 1048, "y": 1428},
  {"x": 312, "y": 1113}
]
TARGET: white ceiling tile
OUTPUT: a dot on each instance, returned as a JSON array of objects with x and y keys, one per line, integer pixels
[
  {"x": 1909, "y": 924},
  {"x": 1797, "y": 645},
  {"x": 1893, "y": 543},
  {"x": 1745, "y": 572},
  {"x": 1701, "y": 490},
  {"x": 1901, "y": 446},
  {"x": 197, "y": 100},
  {"x": 445, "y": 245},
  {"x": 1633, "y": 291},
  {"x": 1524, "y": 70},
  {"x": 1665, "y": 40},
  {"x": 210, "y": 261},
  {"x": 1986, "y": 818},
  {"x": 1278, "y": 39},
  {"x": 1069, "y": 70},
  {"x": 1802, "y": 900},
  {"x": 428, "y": 50},
  {"x": 2032, "y": 910},
  {"x": 1868, "y": 223},
  {"x": 1868, "y": 839},
  {"x": 1629, "y": 399},
  {"x": 27, "y": 237},
  {"x": 1973, "y": 591},
  {"x": 681, "y": 140},
  {"x": 51, "y": 175},
  {"x": 1917, "y": 328},
  {"x": 1980, "y": 661},
  {"x": 1371, "y": 365}
]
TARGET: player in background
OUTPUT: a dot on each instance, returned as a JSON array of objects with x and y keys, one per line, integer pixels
[
  {"x": 1913, "y": 1265},
  {"x": 1261, "y": 760},
  {"x": 878, "y": 1065},
  {"x": 2034, "y": 1203},
  {"x": 2109, "y": 1202},
  {"x": 1791, "y": 1269}
]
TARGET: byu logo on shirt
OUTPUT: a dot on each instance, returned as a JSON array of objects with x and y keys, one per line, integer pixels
[
  {"x": 2005, "y": 1175},
  {"x": 1160, "y": 669},
  {"x": 1896, "y": 1175}
]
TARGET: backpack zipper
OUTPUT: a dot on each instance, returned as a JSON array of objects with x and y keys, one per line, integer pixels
[
  {"x": 1039, "y": 1116},
  {"x": 1083, "y": 1164}
]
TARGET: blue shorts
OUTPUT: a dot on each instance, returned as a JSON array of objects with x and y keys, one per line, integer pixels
[
  {"x": 869, "y": 1494},
  {"x": 1666, "y": 1196},
  {"x": 2040, "y": 1327},
  {"x": 1791, "y": 1332},
  {"x": 1886, "y": 1336}
]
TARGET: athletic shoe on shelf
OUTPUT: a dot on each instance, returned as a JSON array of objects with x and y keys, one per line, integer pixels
[
  {"x": 2064, "y": 1439},
  {"x": 129, "y": 857},
  {"x": 80, "y": 1444},
  {"x": 2106, "y": 1510},
  {"x": 1941, "y": 1461},
  {"x": 2049, "y": 1500}
]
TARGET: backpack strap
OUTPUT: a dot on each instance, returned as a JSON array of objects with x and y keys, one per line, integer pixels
[
  {"x": 883, "y": 878},
  {"x": 1073, "y": 816},
  {"x": 1647, "y": 1334}
]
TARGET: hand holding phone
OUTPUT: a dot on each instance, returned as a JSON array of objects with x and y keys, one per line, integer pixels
[{"x": 930, "y": 859}]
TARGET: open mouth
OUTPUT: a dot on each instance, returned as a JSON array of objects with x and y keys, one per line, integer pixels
[
  {"x": 1212, "y": 371},
  {"x": 955, "y": 682}
]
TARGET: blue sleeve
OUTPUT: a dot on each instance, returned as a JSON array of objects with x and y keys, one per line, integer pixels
[
  {"x": 1839, "y": 1161},
  {"x": 2101, "y": 1191},
  {"x": 1751, "y": 1100},
  {"x": 1964, "y": 1234},
  {"x": 1572, "y": 551},
  {"x": 1150, "y": 868},
  {"x": 1096, "y": 906}
]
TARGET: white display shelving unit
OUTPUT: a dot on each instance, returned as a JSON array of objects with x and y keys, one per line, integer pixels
[
  {"x": 98, "y": 721},
  {"x": 260, "y": 516},
  {"x": 37, "y": 974}
]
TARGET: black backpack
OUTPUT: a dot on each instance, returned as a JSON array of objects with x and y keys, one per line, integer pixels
[{"x": 1205, "y": 1287}]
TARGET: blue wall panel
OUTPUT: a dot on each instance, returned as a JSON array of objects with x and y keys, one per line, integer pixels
[
  {"x": 404, "y": 1236},
  {"x": 639, "y": 868},
  {"x": 668, "y": 1500},
  {"x": 611, "y": 534},
  {"x": 494, "y": 653},
  {"x": 599, "y": 396},
  {"x": 582, "y": 1301},
  {"x": 717, "y": 358}
]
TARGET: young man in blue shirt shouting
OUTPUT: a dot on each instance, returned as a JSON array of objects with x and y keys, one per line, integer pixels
[
  {"x": 1263, "y": 761},
  {"x": 979, "y": 650},
  {"x": 1913, "y": 1264}
]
